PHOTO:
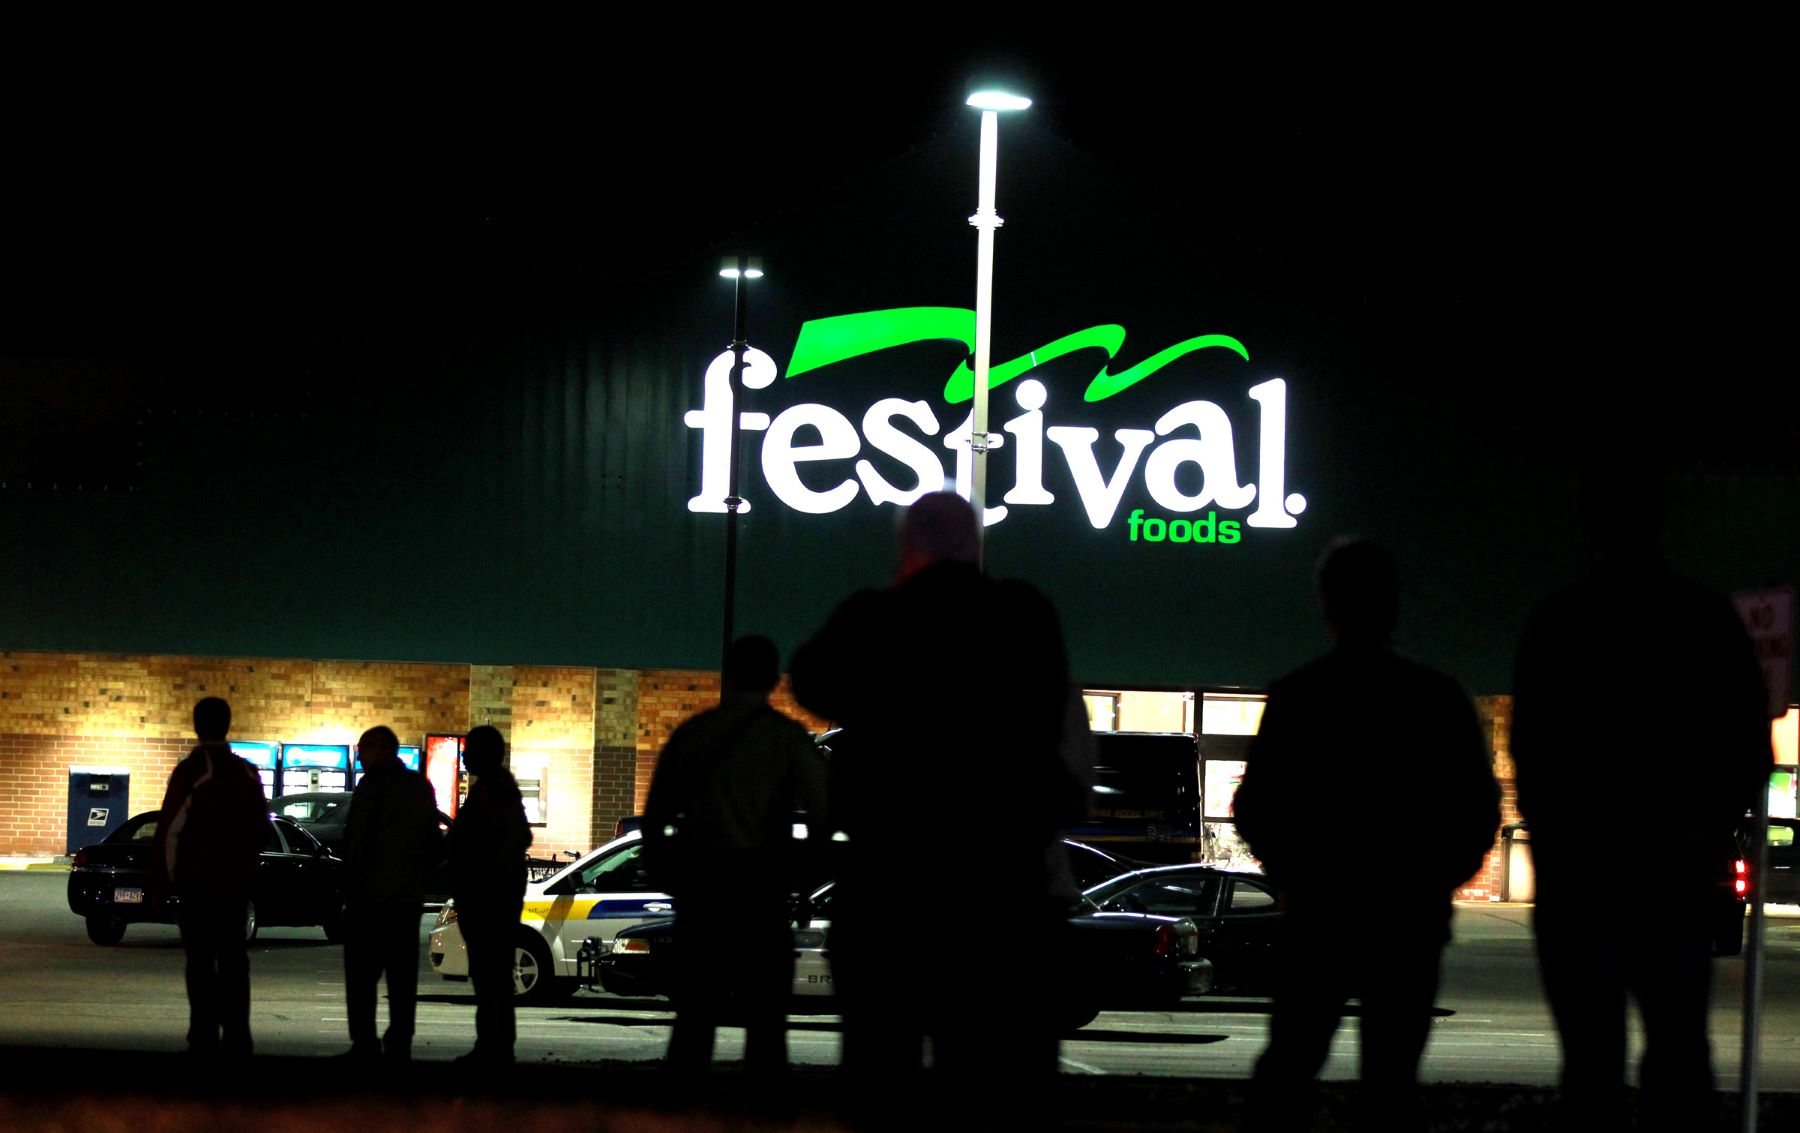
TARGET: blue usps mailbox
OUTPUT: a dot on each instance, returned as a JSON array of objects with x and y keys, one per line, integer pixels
[{"x": 99, "y": 803}]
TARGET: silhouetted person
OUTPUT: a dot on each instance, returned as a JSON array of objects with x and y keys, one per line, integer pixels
[
  {"x": 718, "y": 826},
  {"x": 214, "y": 825},
  {"x": 1637, "y": 698},
  {"x": 1361, "y": 706},
  {"x": 487, "y": 882},
  {"x": 390, "y": 841},
  {"x": 953, "y": 690}
]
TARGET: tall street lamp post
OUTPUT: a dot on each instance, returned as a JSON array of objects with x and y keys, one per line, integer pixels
[
  {"x": 740, "y": 270},
  {"x": 985, "y": 220}
]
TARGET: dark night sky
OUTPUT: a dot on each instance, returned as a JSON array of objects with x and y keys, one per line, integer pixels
[
  {"x": 1562, "y": 228},
  {"x": 1610, "y": 190}
]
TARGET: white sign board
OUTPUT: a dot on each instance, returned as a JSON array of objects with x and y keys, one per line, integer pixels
[{"x": 1769, "y": 617}]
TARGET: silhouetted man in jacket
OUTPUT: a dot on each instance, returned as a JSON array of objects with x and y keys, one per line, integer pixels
[
  {"x": 953, "y": 690},
  {"x": 718, "y": 828},
  {"x": 487, "y": 882},
  {"x": 390, "y": 840},
  {"x": 1634, "y": 636},
  {"x": 214, "y": 825},
  {"x": 1362, "y": 706}
]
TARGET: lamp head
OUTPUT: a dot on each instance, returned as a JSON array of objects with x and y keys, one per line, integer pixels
[
  {"x": 998, "y": 100},
  {"x": 741, "y": 267}
]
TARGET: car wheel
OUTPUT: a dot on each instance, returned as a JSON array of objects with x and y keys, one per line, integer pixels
[
  {"x": 104, "y": 928},
  {"x": 534, "y": 973},
  {"x": 249, "y": 921}
]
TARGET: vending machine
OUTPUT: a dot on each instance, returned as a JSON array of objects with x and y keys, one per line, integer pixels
[
  {"x": 314, "y": 767},
  {"x": 409, "y": 758},
  {"x": 444, "y": 771},
  {"x": 265, "y": 756}
]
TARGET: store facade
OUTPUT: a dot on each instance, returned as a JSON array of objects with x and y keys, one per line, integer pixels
[{"x": 1182, "y": 426}]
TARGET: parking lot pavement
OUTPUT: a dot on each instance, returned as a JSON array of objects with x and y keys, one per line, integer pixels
[{"x": 297, "y": 1095}]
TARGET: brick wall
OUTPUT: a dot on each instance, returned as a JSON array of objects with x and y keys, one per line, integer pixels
[
  {"x": 615, "y": 751},
  {"x": 1496, "y": 721},
  {"x": 34, "y": 781},
  {"x": 666, "y": 697},
  {"x": 59, "y": 710},
  {"x": 546, "y": 713}
]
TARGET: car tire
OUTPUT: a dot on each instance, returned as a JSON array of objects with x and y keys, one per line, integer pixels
[
  {"x": 534, "y": 973},
  {"x": 249, "y": 921},
  {"x": 105, "y": 929}
]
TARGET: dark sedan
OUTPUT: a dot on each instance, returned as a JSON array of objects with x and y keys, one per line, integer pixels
[
  {"x": 324, "y": 814},
  {"x": 1113, "y": 960},
  {"x": 1237, "y": 916},
  {"x": 297, "y": 882}
]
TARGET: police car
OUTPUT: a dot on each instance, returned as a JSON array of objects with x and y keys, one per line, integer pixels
[{"x": 591, "y": 898}]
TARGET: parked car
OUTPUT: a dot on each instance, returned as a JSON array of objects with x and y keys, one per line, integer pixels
[
  {"x": 1781, "y": 878},
  {"x": 601, "y": 894},
  {"x": 298, "y": 882},
  {"x": 1237, "y": 916},
  {"x": 593, "y": 897},
  {"x": 324, "y": 814},
  {"x": 1112, "y": 960}
]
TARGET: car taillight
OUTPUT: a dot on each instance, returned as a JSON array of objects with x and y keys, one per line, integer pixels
[
  {"x": 81, "y": 860},
  {"x": 1742, "y": 869},
  {"x": 1165, "y": 940},
  {"x": 632, "y": 944}
]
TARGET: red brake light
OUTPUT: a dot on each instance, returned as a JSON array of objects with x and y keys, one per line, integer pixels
[
  {"x": 1742, "y": 869},
  {"x": 1165, "y": 940},
  {"x": 81, "y": 860}
]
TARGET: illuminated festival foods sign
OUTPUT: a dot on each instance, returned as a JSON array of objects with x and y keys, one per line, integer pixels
[{"x": 1198, "y": 433}]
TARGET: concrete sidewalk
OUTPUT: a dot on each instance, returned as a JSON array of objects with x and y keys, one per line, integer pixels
[{"x": 57, "y": 863}]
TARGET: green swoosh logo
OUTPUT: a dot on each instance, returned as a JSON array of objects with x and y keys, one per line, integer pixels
[{"x": 841, "y": 337}]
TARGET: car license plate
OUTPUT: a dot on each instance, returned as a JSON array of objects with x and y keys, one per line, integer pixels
[{"x": 128, "y": 896}]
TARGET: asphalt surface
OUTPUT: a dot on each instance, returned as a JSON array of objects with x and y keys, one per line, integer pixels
[{"x": 76, "y": 1014}]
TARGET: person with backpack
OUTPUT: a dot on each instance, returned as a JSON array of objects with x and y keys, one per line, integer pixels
[
  {"x": 718, "y": 836},
  {"x": 214, "y": 825}
]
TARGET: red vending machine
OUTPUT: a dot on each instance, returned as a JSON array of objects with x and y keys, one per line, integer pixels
[{"x": 444, "y": 771}]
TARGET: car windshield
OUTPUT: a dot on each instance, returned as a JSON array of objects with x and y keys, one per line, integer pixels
[
  {"x": 612, "y": 872},
  {"x": 309, "y": 810},
  {"x": 139, "y": 829},
  {"x": 1183, "y": 880},
  {"x": 1183, "y": 893}
]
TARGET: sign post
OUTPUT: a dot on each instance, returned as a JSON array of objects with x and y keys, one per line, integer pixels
[{"x": 1768, "y": 616}]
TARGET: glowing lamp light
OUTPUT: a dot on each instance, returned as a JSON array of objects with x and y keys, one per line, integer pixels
[
  {"x": 998, "y": 100},
  {"x": 736, "y": 267}
]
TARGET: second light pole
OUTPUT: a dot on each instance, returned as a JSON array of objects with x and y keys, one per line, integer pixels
[
  {"x": 740, "y": 270},
  {"x": 985, "y": 220}
]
